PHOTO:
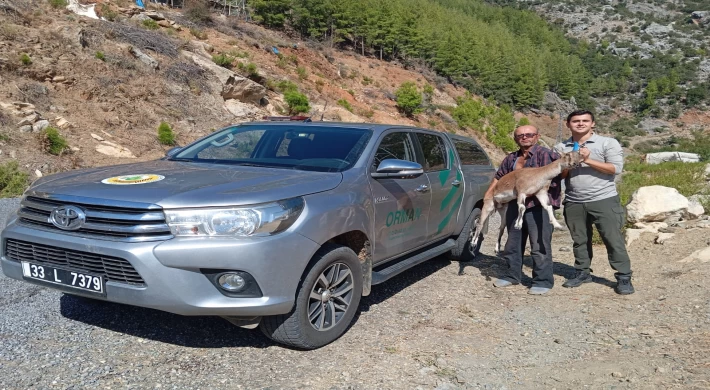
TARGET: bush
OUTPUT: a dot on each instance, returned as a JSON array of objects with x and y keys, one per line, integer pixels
[
  {"x": 58, "y": 3},
  {"x": 165, "y": 134},
  {"x": 285, "y": 85},
  {"x": 408, "y": 98},
  {"x": 100, "y": 55},
  {"x": 197, "y": 33},
  {"x": 345, "y": 104},
  {"x": 302, "y": 74},
  {"x": 150, "y": 24},
  {"x": 199, "y": 13},
  {"x": 297, "y": 102},
  {"x": 223, "y": 60},
  {"x": 25, "y": 59},
  {"x": 53, "y": 142},
  {"x": 13, "y": 182}
]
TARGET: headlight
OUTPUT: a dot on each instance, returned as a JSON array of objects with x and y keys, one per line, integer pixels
[{"x": 259, "y": 220}]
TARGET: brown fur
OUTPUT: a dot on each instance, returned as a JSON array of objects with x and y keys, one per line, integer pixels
[{"x": 519, "y": 184}]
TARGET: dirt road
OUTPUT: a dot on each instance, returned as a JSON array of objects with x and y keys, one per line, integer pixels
[{"x": 441, "y": 325}]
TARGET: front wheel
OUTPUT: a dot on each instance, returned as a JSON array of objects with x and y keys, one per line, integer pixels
[
  {"x": 326, "y": 302},
  {"x": 464, "y": 251}
]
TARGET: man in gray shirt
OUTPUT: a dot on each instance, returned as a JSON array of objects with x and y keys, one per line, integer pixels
[{"x": 591, "y": 198}]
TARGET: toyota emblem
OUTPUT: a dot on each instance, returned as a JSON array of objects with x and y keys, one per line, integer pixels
[{"x": 67, "y": 217}]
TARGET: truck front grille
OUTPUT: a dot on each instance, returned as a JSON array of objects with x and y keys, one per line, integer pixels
[
  {"x": 102, "y": 222},
  {"x": 112, "y": 268}
]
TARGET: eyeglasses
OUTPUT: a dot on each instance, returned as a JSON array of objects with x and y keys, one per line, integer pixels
[{"x": 525, "y": 135}]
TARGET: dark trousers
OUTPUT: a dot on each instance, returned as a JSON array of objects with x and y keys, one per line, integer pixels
[
  {"x": 536, "y": 225},
  {"x": 609, "y": 217}
]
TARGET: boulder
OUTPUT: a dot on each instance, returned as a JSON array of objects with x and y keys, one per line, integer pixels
[
  {"x": 657, "y": 158},
  {"x": 28, "y": 120},
  {"x": 144, "y": 58},
  {"x": 140, "y": 17},
  {"x": 695, "y": 207},
  {"x": 164, "y": 23},
  {"x": 242, "y": 110},
  {"x": 233, "y": 85},
  {"x": 658, "y": 30},
  {"x": 157, "y": 16},
  {"x": 40, "y": 125},
  {"x": 655, "y": 204},
  {"x": 114, "y": 150},
  {"x": 707, "y": 172}
]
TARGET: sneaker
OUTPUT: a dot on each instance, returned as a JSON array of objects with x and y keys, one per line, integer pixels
[
  {"x": 623, "y": 285},
  {"x": 538, "y": 290},
  {"x": 502, "y": 283},
  {"x": 579, "y": 279}
]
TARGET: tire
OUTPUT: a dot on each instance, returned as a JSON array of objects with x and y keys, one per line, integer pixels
[
  {"x": 463, "y": 250},
  {"x": 300, "y": 330}
]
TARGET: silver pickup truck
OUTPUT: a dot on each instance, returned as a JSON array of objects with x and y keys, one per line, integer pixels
[{"x": 284, "y": 225}]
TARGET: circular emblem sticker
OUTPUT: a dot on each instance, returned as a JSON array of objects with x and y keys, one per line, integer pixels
[{"x": 133, "y": 179}]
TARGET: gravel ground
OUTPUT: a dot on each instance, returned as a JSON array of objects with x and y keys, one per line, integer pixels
[{"x": 439, "y": 326}]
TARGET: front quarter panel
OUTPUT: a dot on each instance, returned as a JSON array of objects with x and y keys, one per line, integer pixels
[{"x": 344, "y": 209}]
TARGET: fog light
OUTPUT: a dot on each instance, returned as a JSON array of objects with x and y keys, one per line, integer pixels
[{"x": 231, "y": 281}]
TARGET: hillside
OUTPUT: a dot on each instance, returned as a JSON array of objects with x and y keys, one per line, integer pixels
[
  {"x": 106, "y": 84},
  {"x": 84, "y": 80}
]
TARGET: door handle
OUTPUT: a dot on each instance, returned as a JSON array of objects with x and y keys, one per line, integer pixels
[
  {"x": 422, "y": 188},
  {"x": 455, "y": 183}
]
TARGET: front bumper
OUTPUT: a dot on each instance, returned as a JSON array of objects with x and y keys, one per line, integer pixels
[{"x": 171, "y": 270}]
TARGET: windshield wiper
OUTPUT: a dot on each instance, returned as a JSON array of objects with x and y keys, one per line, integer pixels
[{"x": 182, "y": 159}]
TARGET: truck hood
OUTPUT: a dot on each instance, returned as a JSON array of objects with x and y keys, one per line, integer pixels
[{"x": 186, "y": 184}]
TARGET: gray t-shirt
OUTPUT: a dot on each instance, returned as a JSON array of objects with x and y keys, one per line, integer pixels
[{"x": 586, "y": 184}]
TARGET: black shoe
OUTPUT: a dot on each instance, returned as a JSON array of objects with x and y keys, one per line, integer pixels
[
  {"x": 623, "y": 285},
  {"x": 579, "y": 279}
]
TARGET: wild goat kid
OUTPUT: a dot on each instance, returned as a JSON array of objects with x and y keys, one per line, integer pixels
[{"x": 519, "y": 184}]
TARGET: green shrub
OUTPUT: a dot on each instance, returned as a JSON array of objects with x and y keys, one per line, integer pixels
[
  {"x": 297, "y": 102},
  {"x": 428, "y": 89},
  {"x": 53, "y": 142},
  {"x": 165, "y": 134},
  {"x": 345, "y": 104},
  {"x": 285, "y": 85},
  {"x": 13, "y": 182},
  {"x": 523, "y": 122},
  {"x": 150, "y": 24},
  {"x": 100, "y": 55},
  {"x": 251, "y": 69},
  {"x": 25, "y": 59},
  {"x": 109, "y": 14},
  {"x": 58, "y": 3},
  {"x": 408, "y": 98},
  {"x": 302, "y": 74},
  {"x": 223, "y": 60}
]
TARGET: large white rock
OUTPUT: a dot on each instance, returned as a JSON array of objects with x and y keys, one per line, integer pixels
[
  {"x": 701, "y": 255},
  {"x": 655, "y": 203},
  {"x": 695, "y": 209},
  {"x": 242, "y": 110},
  {"x": 114, "y": 150},
  {"x": 233, "y": 85},
  {"x": 657, "y": 158}
]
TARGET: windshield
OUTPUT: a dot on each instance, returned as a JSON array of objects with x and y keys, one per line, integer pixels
[{"x": 312, "y": 148}]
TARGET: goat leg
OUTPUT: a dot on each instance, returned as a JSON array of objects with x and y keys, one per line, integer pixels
[
  {"x": 521, "y": 211},
  {"x": 545, "y": 202},
  {"x": 502, "y": 211}
]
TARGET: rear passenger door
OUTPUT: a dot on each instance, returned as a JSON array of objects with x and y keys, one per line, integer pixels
[
  {"x": 442, "y": 170},
  {"x": 401, "y": 205}
]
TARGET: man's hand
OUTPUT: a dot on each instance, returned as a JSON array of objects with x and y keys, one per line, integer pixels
[{"x": 584, "y": 153}]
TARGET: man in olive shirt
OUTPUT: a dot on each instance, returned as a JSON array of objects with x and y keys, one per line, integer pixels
[{"x": 591, "y": 198}]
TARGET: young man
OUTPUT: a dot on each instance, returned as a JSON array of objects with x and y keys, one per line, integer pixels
[
  {"x": 591, "y": 198},
  {"x": 536, "y": 222}
]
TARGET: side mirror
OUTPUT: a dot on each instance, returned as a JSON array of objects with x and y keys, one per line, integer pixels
[
  {"x": 397, "y": 169},
  {"x": 173, "y": 151}
]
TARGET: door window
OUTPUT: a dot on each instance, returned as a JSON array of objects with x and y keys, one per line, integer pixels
[
  {"x": 434, "y": 152},
  {"x": 395, "y": 145},
  {"x": 471, "y": 154}
]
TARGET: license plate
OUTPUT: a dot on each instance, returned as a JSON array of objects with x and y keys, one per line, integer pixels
[{"x": 63, "y": 277}]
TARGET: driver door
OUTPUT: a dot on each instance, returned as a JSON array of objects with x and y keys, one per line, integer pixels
[{"x": 401, "y": 205}]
